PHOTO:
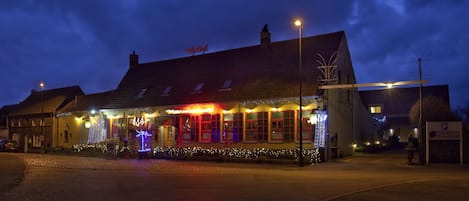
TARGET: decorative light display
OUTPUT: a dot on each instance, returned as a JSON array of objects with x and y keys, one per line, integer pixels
[
  {"x": 313, "y": 119},
  {"x": 279, "y": 101},
  {"x": 139, "y": 123},
  {"x": 236, "y": 153},
  {"x": 99, "y": 147},
  {"x": 87, "y": 124},
  {"x": 380, "y": 120},
  {"x": 328, "y": 68},
  {"x": 321, "y": 129},
  {"x": 143, "y": 146},
  {"x": 239, "y": 153},
  {"x": 97, "y": 129},
  {"x": 193, "y": 109}
]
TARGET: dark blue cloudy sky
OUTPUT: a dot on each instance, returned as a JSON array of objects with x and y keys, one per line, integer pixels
[{"x": 88, "y": 42}]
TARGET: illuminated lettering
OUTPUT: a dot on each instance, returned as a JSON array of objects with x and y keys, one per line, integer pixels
[
  {"x": 197, "y": 109},
  {"x": 138, "y": 121}
]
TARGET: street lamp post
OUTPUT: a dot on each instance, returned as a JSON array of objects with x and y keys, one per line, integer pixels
[
  {"x": 420, "y": 124},
  {"x": 42, "y": 85},
  {"x": 299, "y": 24}
]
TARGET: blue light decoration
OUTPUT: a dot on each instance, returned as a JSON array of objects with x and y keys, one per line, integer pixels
[
  {"x": 320, "y": 129},
  {"x": 380, "y": 120},
  {"x": 143, "y": 146}
]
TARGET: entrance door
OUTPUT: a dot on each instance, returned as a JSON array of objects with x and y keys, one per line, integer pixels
[{"x": 167, "y": 136}]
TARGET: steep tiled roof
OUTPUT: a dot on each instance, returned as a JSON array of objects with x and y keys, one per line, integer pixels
[
  {"x": 87, "y": 102},
  {"x": 4, "y": 111},
  {"x": 51, "y": 100},
  {"x": 254, "y": 72}
]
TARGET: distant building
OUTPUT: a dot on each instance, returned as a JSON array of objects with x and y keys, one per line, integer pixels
[
  {"x": 391, "y": 108},
  {"x": 32, "y": 121},
  {"x": 80, "y": 122}
]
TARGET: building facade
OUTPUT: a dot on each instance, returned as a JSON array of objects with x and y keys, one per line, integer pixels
[
  {"x": 245, "y": 97},
  {"x": 391, "y": 109},
  {"x": 32, "y": 122}
]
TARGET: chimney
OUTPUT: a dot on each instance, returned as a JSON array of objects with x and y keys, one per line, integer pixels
[
  {"x": 265, "y": 36},
  {"x": 133, "y": 60}
]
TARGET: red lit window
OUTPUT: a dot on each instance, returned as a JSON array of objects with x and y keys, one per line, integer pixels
[
  {"x": 308, "y": 129},
  {"x": 190, "y": 128}
]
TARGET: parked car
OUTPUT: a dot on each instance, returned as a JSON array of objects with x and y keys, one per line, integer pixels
[
  {"x": 3, "y": 142},
  {"x": 9, "y": 145}
]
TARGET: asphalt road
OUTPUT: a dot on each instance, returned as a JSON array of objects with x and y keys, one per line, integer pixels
[
  {"x": 362, "y": 177},
  {"x": 11, "y": 171}
]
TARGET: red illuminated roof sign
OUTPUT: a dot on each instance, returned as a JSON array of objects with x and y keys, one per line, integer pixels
[{"x": 198, "y": 49}]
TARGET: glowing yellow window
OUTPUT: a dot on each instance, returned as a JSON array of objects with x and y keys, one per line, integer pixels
[{"x": 375, "y": 109}]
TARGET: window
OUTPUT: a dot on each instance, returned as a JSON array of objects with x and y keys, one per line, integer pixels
[
  {"x": 307, "y": 128},
  {"x": 226, "y": 85},
  {"x": 277, "y": 125},
  {"x": 200, "y": 128},
  {"x": 198, "y": 88},
  {"x": 283, "y": 126},
  {"x": 232, "y": 128},
  {"x": 141, "y": 93},
  {"x": 262, "y": 126},
  {"x": 166, "y": 91},
  {"x": 375, "y": 109},
  {"x": 206, "y": 128},
  {"x": 190, "y": 128},
  {"x": 256, "y": 127},
  {"x": 288, "y": 126},
  {"x": 251, "y": 127},
  {"x": 215, "y": 125}
]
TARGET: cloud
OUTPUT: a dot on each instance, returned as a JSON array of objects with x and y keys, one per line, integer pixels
[
  {"x": 87, "y": 42},
  {"x": 386, "y": 42}
]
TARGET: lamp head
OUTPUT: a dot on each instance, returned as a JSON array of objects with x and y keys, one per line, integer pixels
[{"x": 298, "y": 23}]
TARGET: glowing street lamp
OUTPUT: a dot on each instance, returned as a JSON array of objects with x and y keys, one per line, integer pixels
[
  {"x": 299, "y": 24},
  {"x": 389, "y": 85}
]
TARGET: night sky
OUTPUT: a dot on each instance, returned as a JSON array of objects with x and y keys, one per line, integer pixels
[{"x": 87, "y": 43}]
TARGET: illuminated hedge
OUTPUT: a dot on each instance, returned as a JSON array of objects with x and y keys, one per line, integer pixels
[{"x": 311, "y": 155}]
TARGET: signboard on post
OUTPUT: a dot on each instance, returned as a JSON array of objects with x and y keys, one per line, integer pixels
[{"x": 444, "y": 131}]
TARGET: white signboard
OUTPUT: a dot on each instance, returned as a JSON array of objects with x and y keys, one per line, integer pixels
[{"x": 444, "y": 130}]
